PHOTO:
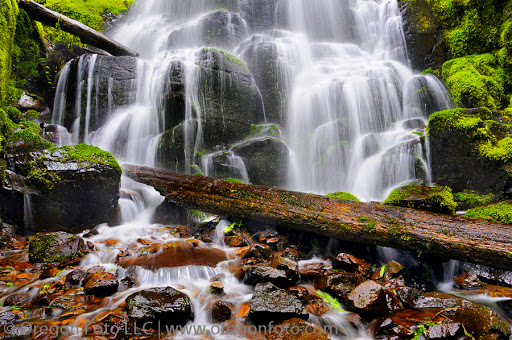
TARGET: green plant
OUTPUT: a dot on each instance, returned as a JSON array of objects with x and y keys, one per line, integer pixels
[
  {"x": 232, "y": 226},
  {"x": 330, "y": 301}
]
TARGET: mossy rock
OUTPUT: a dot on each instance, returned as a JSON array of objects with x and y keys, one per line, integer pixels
[
  {"x": 500, "y": 212},
  {"x": 435, "y": 199},
  {"x": 472, "y": 199},
  {"x": 343, "y": 196},
  {"x": 471, "y": 149},
  {"x": 8, "y": 12},
  {"x": 475, "y": 81},
  {"x": 58, "y": 247},
  {"x": 69, "y": 188}
]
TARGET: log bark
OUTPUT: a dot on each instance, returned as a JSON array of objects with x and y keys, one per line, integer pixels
[
  {"x": 86, "y": 34},
  {"x": 452, "y": 237}
]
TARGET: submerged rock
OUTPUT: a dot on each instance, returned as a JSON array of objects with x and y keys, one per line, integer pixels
[
  {"x": 58, "y": 247},
  {"x": 162, "y": 304},
  {"x": 270, "y": 303}
]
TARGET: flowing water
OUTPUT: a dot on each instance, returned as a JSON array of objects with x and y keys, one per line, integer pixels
[{"x": 349, "y": 110}]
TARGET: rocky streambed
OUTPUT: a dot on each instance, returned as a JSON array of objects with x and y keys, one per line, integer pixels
[{"x": 215, "y": 279}]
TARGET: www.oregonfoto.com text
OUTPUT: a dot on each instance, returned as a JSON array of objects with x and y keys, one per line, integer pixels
[{"x": 151, "y": 328}]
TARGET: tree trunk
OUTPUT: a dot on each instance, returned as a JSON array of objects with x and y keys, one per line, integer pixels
[
  {"x": 453, "y": 237},
  {"x": 86, "y": 34}
]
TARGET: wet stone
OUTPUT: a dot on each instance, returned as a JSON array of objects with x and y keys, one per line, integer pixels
[
  {"x": 352, "y": 264},
  {"x": 75, "y": 277},
  {"x": 292, "y": 253},
  {"x": 300, "y": 292},
  {"x": 98, "y": 282},
  {"x": 261, "y": 274},
  {"x": 216, "y": 288},
  {"x": 445, "y": 330},
  {"x": 369, "y": 299},
  {"x": 340, "y": 284},
  {"x": 220, "y": 311},
  {"x": 270, "y": 303},
  {"x": 58, "y": 247},
  {"x": 260, "y": 252},
  {"x": 393, "y": 270},
  {"x": 162, "y": 304},
  {"x": 468, "y": 280}
]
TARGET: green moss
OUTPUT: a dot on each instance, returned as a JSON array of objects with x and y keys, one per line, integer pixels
[
  {"x": 343, "y": 196},
  {"x": 500, "y": 212},
  {"x": 26, "y": 54},
  {"x": 231, "y": 58},
  {"x": 499, "y": 151},
  {"x": 83, "y": 153},
  {"x": 88, "y": 12},
  {"x": 473, "y": 199},
  {"x": 475, "y": 81},
  {"x": 232, "y": 180},
  {"x": 437, "y": 199},
  {"x": 8, "y": 13}
]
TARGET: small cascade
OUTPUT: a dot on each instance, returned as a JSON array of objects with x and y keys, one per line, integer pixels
[{"x": 28, "y": 217}]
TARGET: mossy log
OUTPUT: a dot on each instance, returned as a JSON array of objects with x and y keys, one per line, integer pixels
[
  {"x": 86, "y": 34},
  {"x": 423, "y": 232}
]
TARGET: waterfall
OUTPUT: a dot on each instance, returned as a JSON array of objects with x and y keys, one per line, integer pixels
[{"x": 333, "y": 76}]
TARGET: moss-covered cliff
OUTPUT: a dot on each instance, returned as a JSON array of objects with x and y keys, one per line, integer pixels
[{"x": 8, "y": 13}]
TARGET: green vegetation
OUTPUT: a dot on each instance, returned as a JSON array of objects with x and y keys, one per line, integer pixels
[
  {"x": 475, "y": 81},
  {"x": 500, "y": 212},
  {"x": 491, "y": 138},
  {"x": 436, "y": 199},
  {"x": 232, "y": 180},
  {"x": 343, "y": 196},
  {"x": 333, "y": 303},
  {"x": 231, "y": 58},
  {"x": 8, "y": 13},
  {"x": 473, "y": 199}
]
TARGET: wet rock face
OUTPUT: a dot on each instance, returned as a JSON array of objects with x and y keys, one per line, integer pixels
[
  {"x": 490, "y": 275},
  {"x": 98, "y": 282},
  {"x": 224, "y": 86},
  {"x": 114, "y": 78},
  {"x": 369, "y": 298},
  {"x": 58, "y": 247},
  {"x": 164, "y": 304},
  {"x": 351, "y": 264},
  {"x": 270, "y": 303},
  {"x": 262, "y": 274},
  {"x": 220, "y": 311},
  {"x": 339, "y": 284},
  {"x": 468, "y": 280},
  {"x": 264, "y": 160},
  {"x": 425, "y": 42},
  {"x": 70, "y": 188},
  {"x": 477, "y": 319}
]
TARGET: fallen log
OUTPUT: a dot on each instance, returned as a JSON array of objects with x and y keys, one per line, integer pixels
[
  {"x": 452, "y": 237},
  {"x": 86, "y": 34}
]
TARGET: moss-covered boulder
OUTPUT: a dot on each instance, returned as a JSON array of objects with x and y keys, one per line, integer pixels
[
  {"x": 59, "y": 247},
  {"x": 500, "y": 212},
  {"x": 426, "y": 45},
  {"x": 343, "y": 196},
  {"x": 471, "y": 149},
  {"x": 435, "y": 199},
  {"x": 475, "y": 81},
  {"x": 472, "y": 199},
  {"x": 66, "y": 188}
]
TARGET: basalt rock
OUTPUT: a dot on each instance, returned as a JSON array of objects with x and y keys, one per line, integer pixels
[
  {"x": 67, "y": 188},
  {"x": 100, "y": 283},
  {"x": 369, "y": 298},
  {"x": 162, "y": 304},
  {"x": 339, "y": 284},
  {"x": 351, "y": 264},
  {"x": 270, "y": 303},
  {"x": 468, "y": 280},
  {"x": 58, "y": 247}
]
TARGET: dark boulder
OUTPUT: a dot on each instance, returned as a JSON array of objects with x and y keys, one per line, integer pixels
[
  {"x": 75, "y": 277},
  {"x": 426, "y": 45},
  {"x": 270, "y": 303},
  {"x": 58, "y": 247},
  {"x": 339, "y": 284},
  {"x": 220, "y": 311},
  {"x": 352, "y": 264},
  {"x": 67, "y": 188},
  {"x": 261, "y": 274},
  {"x": 163, "y": 304},
  {"x": 468, "y": 151},
  {"x": 265, "y": 160},
  {"x": 369, "y": 299},
  {"x": 100, "y": 283},
  {"x": 490, "y": 275}
]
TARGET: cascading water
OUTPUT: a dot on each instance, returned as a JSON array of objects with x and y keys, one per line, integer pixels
[{"x": 336, "y": 99}]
